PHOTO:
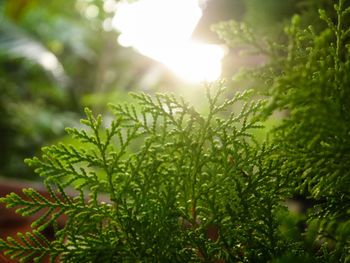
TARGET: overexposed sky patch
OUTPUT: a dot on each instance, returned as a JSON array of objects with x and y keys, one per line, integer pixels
[{"x": 161, "y": 30}]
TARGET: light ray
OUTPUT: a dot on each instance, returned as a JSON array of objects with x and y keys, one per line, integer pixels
[{"x": 161, "y": 30}]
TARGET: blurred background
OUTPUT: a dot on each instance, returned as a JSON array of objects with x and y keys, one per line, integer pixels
[{"x": 56, "y": 57}]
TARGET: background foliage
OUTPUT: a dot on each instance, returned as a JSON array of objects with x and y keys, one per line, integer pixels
[{"x": 53, "y": 57}]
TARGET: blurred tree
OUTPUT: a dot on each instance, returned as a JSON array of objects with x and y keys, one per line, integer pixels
[
  {"x": 53, "y": 56},
  {"x": 215, "y": 11}
]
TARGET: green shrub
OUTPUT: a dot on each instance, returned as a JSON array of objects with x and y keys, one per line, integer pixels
[
  {"x": 190, "y": 187},
  {"x": 192, "y": 171},
  {"x": 309, "y": 79}
]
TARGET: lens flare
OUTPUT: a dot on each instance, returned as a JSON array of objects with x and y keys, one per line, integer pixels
[{"x": 161, "y": 30}]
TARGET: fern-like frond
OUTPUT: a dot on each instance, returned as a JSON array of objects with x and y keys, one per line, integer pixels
[{"x": 31, "y": 246}]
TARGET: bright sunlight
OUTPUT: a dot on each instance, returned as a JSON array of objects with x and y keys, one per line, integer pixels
[{"x": 161, "y": 30}]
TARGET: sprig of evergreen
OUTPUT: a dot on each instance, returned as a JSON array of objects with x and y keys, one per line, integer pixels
[
  {"x": 192, "y": 173},
  {"x": 309, "y": 79},
  {"x": 183, "y": 186}
]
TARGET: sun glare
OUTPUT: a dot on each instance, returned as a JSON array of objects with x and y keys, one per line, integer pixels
[{"x": 161, "y": 30}]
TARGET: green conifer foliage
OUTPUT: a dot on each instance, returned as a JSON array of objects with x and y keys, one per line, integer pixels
[
  {"x": 309, "y": 78},
  {"x": 183, "y": 186},
  {"x": 192, "y": 173}
]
